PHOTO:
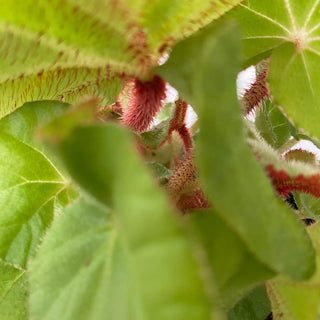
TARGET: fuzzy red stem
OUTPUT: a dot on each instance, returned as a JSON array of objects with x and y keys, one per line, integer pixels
[
  {"x": 284, "y": 184},
  {"x": 144, "y": 104}
]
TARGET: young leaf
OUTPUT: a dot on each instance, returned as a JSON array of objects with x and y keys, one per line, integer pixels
[
  {"x": 308, "y": 205},
  {"x": 81, "y": 271},
  {"x": 13, "y": 292},
  {"x": 33, "y": 188},
  {"x": 238, "y": 188},
  {"x": 272, "y": 124},
  {"x": 104, "y": 163},
  {"x": 254, "y": 306},
  {"x": 290, "y": 31}
]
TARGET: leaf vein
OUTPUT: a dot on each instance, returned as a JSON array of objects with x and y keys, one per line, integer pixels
[
  {"x": 315, "y": 4},
  {"x": 267, "y": 18}
]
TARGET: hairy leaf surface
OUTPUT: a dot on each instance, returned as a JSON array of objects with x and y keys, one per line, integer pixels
[
  {"x": 80, "y": 271},
  {"x": 33, "y": 188},
  {"x": 235, "y": 269},
  {"x": 52, "y": 49},
  {"x": 238, "y": 188},
  {"x": 166, "y": 276},
  {"x": 13, "y": 292},
  {"x": 272, "y": 124}
]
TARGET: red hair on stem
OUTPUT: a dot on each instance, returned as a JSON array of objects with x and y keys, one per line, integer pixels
[
  {"x": 257, "y": 92},
  {"x": 284, "y": 184},
  {"x": 144, "y": 104},
  {"x": 178, "y": 124}
]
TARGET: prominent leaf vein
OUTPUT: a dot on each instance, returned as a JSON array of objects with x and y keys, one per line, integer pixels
[
  {"x": 12, "y": 285},
  {"x": 307, "y": 71},
  {"x": 313, "y": 50},
  {"x": 316, "y": 27},
  {"x": 295, "y": 54},
  {"x": 315, "y": 4},
  {"x": 267, "y": 37},
  {"x": 29, "y": 182},
  {"x": 291, "y": 16},
  {"x": 313, "y": 39},
  {"x": 267, "y": 18},
  {"x": 45, "y": 156}
]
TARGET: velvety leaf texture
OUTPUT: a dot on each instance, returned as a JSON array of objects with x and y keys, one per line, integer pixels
[
  {"x": 33, "y": 189},
  {"x": 235, "y": 268},
  {"x": 160, "y": 252},
  {"x": 13, "y": 292},
  {"x": 53, "y": 49},
  {"x": 226, "y": 161},
  {"x": 273, "y": 126},
  {"x": 85, "y": 267},
  {"x": 290, "y": 30}
]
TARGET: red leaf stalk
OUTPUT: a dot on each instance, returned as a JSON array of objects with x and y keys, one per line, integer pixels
[
  {"x": 144, "y": 104},
  {"x": 178, "y": 124},
  {"x": 257, "y": 92},
  {"x": 284, "y": 184},
  {"x": 183, "y": 172},
  {"x": 193, "y": 200}
]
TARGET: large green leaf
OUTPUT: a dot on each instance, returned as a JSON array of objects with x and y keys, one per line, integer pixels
[
  {"x": 235, "y": 268},
  {"x": 32, "y": 189},
  {"x": 290, "y": 30},
  {"x": 165, "y": 272},
  {"x": 234, "y": 181},
  {"x": 80, "y": 271},
  {"x": 55, "y": 50},
  {"x": 13, "y": 292}
]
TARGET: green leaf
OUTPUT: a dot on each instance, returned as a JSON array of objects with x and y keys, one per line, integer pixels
[
  {"x": 272, "y": 124},
  {"x": 167, "y": 21},
  {"x": 290, "y": 29},
  {"x": 160, "y": 171},
  {"x": 154, "y": 137},
  {"x": 34, "y": 190},
  {"x": 254, "y": 306},
  {"x": 13, "y": 292},
  {"x": 308, "y": 205},
  {"x": 80, "y": 271},
  {"x": 62, "y": 51},
  {"x": 235, "y": 268},
  {"x": 160, "y": 251},
  {"x": 82, "y": 114},
  {"x": 235, "y": 183},
  {"x": 68, "y": 85},
  {"x": 297, "y": 300}
]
